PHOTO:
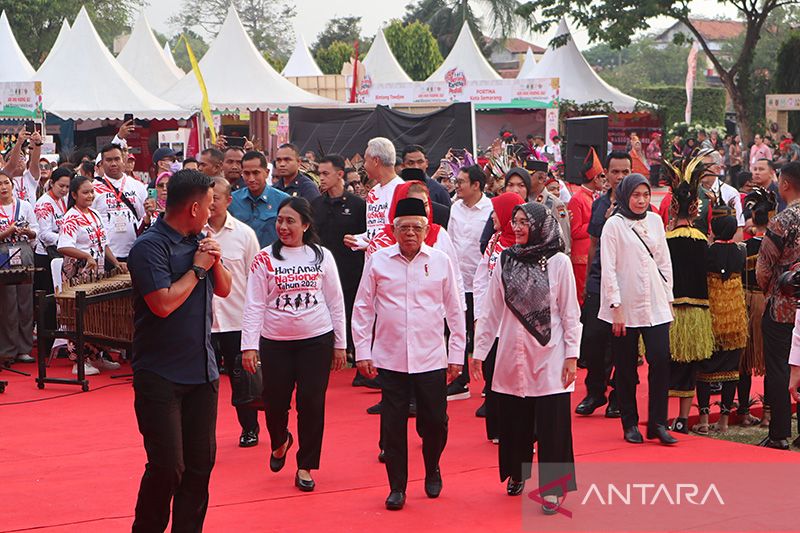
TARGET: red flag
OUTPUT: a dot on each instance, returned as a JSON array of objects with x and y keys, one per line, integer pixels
[
  {"x": 353, "y": 90},
  {"x": 691, "y": 68}
]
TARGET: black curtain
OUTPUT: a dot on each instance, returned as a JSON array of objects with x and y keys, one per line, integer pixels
[{"x": 347, "y": 131}]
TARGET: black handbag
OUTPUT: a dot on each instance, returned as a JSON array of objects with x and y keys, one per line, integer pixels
[{"x": 246, "y": 387}]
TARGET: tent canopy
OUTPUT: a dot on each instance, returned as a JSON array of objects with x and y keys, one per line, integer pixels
[
  {"x": 14, "y": 66},
  {"x": 144, "y": 59},
  {"x": 527, "y": 66},
  {"x": 380, "y": 64},
  {"x": 104, "y": 90},
  {"x": 62, "y": 35},
  {"x": 467, "y": 58},
  {"x": 578, "y": 81},
  {"x": 300, "y": 62},
  {"x": 170, "y": 58},
  {"x": 237, "y": 76}
]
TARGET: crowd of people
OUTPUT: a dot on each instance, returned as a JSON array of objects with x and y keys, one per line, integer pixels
[{"x": 491, "y": 272}]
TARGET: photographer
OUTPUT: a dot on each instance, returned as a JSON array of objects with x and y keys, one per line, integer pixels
[{"x": 780, "y": 249}]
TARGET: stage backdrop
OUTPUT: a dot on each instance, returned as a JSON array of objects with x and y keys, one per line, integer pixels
[{"x": 347, "y": 131}]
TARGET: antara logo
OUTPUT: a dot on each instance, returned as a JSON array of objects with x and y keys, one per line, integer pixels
[{"x": 653, "y": 494}]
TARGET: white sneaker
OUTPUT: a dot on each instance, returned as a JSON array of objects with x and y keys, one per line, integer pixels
[
  {"x": 88, "y": 369},
  {"x": 105, "y": 364}
]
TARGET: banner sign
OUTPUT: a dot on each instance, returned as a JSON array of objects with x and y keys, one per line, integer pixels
[{"x": 21, "y": 99}]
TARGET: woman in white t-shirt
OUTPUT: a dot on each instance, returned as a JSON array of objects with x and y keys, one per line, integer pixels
[
  {"x": 18, "y": 228},
  {"x": 294, "y": 316},
  {"x": 50, "y": 209}
]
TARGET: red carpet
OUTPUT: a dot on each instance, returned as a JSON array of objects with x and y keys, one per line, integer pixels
[{"x": 71, "y": 461}]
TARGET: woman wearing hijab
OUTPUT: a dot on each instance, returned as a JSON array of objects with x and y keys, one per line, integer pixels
[
  {"x": 726, "y": 265},
  {"x": 533, "y": 304},
  {"x": 636, "y": 299},
  {"x": 517, "y": 180},
  {"x": 161, "y": 191},
  {"x": 503, "y": 238}
]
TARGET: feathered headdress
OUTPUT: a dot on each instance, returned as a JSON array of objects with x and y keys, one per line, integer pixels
[
  {"x": 762, "y": 204},
  {"x": 684, "y": 180}
]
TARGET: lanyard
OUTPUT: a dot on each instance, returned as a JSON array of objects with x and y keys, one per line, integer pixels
[
  {"x": 118, "y": 193},
  {"x": 59, "y": 202},
  {"x": 97, "y": 227},
  {"x": 14, "y": 213}
]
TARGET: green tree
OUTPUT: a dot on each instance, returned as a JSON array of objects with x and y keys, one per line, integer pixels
[
  {"x": 36, "y": 24},
  {"x": 176, "y": 44},
  {"x": 331, "y": 59},
  {"x": 268, "y": 22},
  {"x": 445, "y": 18},
  {"x": 787, "y": 75},
  {"x": 342, "y": 29},
  {"x": 415, "y": 48},
  {"x": 617, "y": 21}
]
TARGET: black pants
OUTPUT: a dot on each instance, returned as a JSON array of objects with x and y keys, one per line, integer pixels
[
  {"x": 548, "y": 418},
  {"x": 178, "y": 424},
  {"x": 626, "y": 348},
  {"x": 470, "y": 317},
  {"x": 777, "y": 344},
  {"x": 492, "y": 401},
  {"x": 43, "y": 281},
  {"x": 349, "y": 301},
  {"x": 307, "y": 364},
  {"x": 430, "y": 389},
  {"x": 227, "y": 346},
  {"x": 594, "y": 347}
]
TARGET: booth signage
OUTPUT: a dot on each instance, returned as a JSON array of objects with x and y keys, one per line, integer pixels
[{"x": 21, "y": 99}]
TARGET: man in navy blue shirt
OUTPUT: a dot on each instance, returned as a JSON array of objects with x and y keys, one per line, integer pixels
[
  {"x": 257, "y": 204},
  {"x": 290, "y": 179},
  {"x": 175, "y": 273}
]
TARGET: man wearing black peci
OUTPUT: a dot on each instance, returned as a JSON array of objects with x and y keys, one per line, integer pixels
[{"x": 176, "y": 272}]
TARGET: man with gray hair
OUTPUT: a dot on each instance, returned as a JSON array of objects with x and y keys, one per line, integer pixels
[
  {"x": 379, "y": 159},
  {"x": 718, "y": 192}
]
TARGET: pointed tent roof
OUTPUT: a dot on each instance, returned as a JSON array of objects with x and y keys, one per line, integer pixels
[
  {"x": 171, "y": 58},
  {"x": 62, "y": 34},
  {"x": 105, "y": 89},
  {"x": 528, "y": 65},
  {"x": 14, "y": 66},
  {"x": 578, "y": 81},
  {"x": 300, "y": 62},
  {"x": 237, "y": 76},
  {"x": 466, "y": 57},
  {"x": 143, "y": 58},
  {"x": 381, "y": 65}
]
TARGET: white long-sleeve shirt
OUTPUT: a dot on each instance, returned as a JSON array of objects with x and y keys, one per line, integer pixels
[
  {"x": 465, "y": 227},
  {"x": 49, "y": 213},
  {"x": 483, "y": 273},
  {"x": 410, "y": 300},
  {"x": 293, "y": 298},
  {"x": 794, "y": 353},
  {"x": 239, "y": 246},
  {"x": 630, "y": 277},
  {"x": 524, "y": 367},
  {"x": 118, "y": 220}
]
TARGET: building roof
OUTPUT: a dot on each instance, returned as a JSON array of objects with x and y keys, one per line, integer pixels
[{"x": 711, "y": 29}]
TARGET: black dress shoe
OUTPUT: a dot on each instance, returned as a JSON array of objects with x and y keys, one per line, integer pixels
[
  {"x": 633, "y": 436},
  {"x": 514, "y": 488},
  {"x": 382, "y": 457},
  {"x": 589, "y": 404},
  {"x": 433, "y": 484},
  {"x": 412, "y": 410},
  {"x": 275, "y": 463},
  {"x": 374, "y": 409},
  {"x": 360, "y": 381},
  {"x": 481, "y": 412},
  {"x": 661, "y": 433},
  {"x": 780, "y": 444},
  {"x": 302, "y": 484},
  {"x": 612, "y": 411},
  {"x": 396, "y": 500},
  {"x": 248, "y": 439}
]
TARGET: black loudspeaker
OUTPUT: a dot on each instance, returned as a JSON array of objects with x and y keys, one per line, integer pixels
[{"x": 582, "y": 133}]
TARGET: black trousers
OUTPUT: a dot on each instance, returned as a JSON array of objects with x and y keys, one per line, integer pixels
[
  {"x": 349, "y": 301},
  {"x": 492, "y": 401},
  {"x": 306, "y": 364},
  {"x": 594, "y": 347},
  {"x": 43, "y": 281},
  {"x": 227, "y": 346},
  {"x": 178, "y": 424},
  {"x": 430, "y": 389},
  {"x": 626, "y": 348},
  {"x": 470, "y": 317},
  {"x": 777, "y": 344},
  {"x": 549, "y": 419}
]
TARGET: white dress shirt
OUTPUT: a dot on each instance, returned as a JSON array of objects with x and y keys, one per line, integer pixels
[
  {"x": 729, "y": 194},
  {"x": 630, "y": 277},
  {"x": 239, "y": 246},
  {"x": 794, "y": 354},
  {"x": 410, "y": 300},
  {"x": 465, "y": 227},
  {"x": 524, "y": 367}
]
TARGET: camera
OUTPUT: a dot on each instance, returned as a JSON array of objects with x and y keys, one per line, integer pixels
[{"x": 789, "y": 282}]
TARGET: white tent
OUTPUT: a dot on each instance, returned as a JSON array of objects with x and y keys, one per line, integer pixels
[
  {"x": 467, "y": 58},
  {"x": 380, "y": 64},
  {"x": 527, "y": 66},
  {"x": 170, "y": 58},
  {"x": 62, "y": 35},
  {"x": 300, "y": 62},
  {"x": 578, "y": 81},
  {"x": 14, "y": 66},
  {"x": 143, "y": 58},
  {"x": 82, "y": 80},
  {"x": 237, "y": 76}
]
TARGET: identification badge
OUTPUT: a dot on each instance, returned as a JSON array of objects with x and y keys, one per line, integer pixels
[
  {"x": 15, "y": 253},
  {"x": 120, "y": 224}
]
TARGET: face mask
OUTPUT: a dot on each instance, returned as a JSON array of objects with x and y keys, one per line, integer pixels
[{"x": 175, "y": 167}]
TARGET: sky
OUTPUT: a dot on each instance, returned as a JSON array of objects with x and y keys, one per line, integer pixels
[{"x": 312, "y": 15}]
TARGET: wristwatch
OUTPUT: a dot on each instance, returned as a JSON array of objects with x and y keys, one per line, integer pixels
[
  {"x": 614, "y": 306},
  {"x": 200, "y": 272}
]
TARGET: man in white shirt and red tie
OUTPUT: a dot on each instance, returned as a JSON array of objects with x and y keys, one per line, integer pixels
[
  {"x": 239, "y": 245},
  {"x": 411, "y": 288}
]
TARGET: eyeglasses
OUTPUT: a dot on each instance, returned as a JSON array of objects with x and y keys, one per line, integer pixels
[
  {"x": 518, "y": 223},
  {"x": 406, "y": 228},
  {"x": 161, "y": 186}
]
